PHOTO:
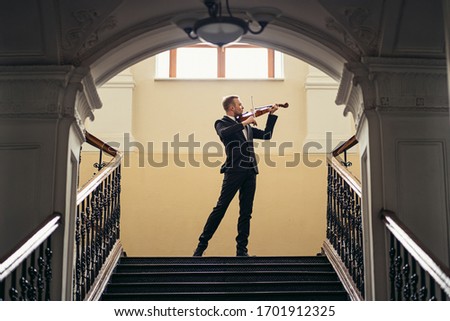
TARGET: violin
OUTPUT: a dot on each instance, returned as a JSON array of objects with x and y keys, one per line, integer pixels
[{"x": 258, "y": 111}]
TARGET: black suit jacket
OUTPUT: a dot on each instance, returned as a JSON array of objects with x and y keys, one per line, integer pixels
[{"x": 239, "y": 150}]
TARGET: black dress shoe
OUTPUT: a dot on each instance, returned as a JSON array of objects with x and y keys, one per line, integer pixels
[
  {"x": 199, "y": 250},
  {"x": 242, "y": 252}
]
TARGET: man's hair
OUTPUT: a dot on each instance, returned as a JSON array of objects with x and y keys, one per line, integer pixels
[{"x": 228, "y": 101}]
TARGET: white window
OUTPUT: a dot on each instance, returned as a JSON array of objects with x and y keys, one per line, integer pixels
[
  {"x": 239, "y": 61},
  {"x": 246, "y": 63},
  {"x": 196, "y": 62}
]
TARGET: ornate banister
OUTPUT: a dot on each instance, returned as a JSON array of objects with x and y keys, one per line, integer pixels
[
  {"x": 414, "y": 270},
  {"x": 97, "y": 226},
  {"x": 101, "y": 145},
  {"x": 25, "y": 271},
  {"x": 344, "y": 243},
  {"x": 343, "y": 148},
  {"x": 352, "y": 141}
]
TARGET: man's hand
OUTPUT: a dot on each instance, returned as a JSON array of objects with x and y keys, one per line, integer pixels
[
  {"x": 273, "y": 109},
  {"x": 251, "y": 120}
]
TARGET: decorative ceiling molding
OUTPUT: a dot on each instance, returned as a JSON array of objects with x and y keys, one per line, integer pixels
[
  {"x": 86, "y": 36},
  {"x": 332, "y": 25},
  {"x": 74, "y": 37},
  {"x": 357, "y": 22},
  {"x": 365, "y": 34},
  {"x": 84, "y": 24},
  {"x": 109, "y": 24}
]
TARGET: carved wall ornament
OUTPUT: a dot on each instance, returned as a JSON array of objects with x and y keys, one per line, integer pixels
[
  {"x": 86, "y": 20},
  {"x": 420, "y": 101},
  {"x": 332, "y": 25},
  {"x": 356, "y": 33},
  {"x": 91, "y": 25},
  {"x": 384, "y": 101},
  {"x": 356, "y": 18},
  {"x": 109, "y": 24}
]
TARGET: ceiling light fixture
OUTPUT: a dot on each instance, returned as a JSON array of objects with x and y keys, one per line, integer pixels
[{"x": 221, "y": 30}]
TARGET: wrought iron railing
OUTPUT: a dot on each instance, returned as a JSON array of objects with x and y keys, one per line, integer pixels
[
  {"x": 414, "y": 272},
  {"x": 26, "y": 272},
  {"x": 97, "y": 225},
  {"x": 344, "y": 245}
]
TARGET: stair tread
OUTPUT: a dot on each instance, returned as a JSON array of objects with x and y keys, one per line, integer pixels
[
  {"x": 234, "y": 283},
  {"x": 241, "y": 296},
  {"x": 231, "y": 293},
  {"x": 226, "y": 259},
  {"x": 224, "y": 272},
  {"x": 195, "y": 278},
  {"x": 220, "y": 267},
  {"x": 209, "y": 276},
  {"x": 223, "y": 263},
  {"x": 257, "y": 286},
  {"x": 229, "y": 257}
]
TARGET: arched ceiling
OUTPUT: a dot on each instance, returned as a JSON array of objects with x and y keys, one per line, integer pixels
[{"x": 108, "y": 36}]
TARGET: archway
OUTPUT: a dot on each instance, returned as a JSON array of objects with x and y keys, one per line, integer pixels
[
  {"x": 307, "y": 45},
  {"x": 174, "y": 206},
  {"x": 389, "y": 44}
]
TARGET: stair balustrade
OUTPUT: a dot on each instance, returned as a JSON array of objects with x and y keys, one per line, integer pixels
[
  {"x": 97, "y": 226},
  {"x": 344, "y": 244},
  {"x": 26, "y": 271},
  {"x": 415, "y": 273}
]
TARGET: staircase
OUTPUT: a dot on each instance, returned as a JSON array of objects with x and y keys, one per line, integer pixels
[{"x": 224, "y": 278}]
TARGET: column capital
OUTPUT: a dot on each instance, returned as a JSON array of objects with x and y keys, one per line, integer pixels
[
  {"x": 394, "y": 85},
  {"x": 402, "y": 84},
  {"x": 47, "y": 92}
]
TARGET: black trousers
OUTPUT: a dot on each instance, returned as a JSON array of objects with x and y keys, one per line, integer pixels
[{"x": 233, "y": 181}]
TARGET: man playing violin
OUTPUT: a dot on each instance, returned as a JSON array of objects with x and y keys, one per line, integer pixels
[{"x": 240, "y": 170}]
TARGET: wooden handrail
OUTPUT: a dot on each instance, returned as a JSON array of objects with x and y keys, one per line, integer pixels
[
  {"x": 98, "y": 143},
  {"x": 429, "y": 262},
  {"x": 30, "y": 243},
  {"x": 345, "y": 146}
]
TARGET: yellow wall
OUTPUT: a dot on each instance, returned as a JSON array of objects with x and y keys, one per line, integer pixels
[
  {"x": 164, "y": 208},
  {"x": 163, "y": 108}
]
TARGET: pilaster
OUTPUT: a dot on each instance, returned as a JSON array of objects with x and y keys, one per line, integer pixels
[
  {"x": 400, "y": 107},
  {"x": 42, "y": 114}
]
